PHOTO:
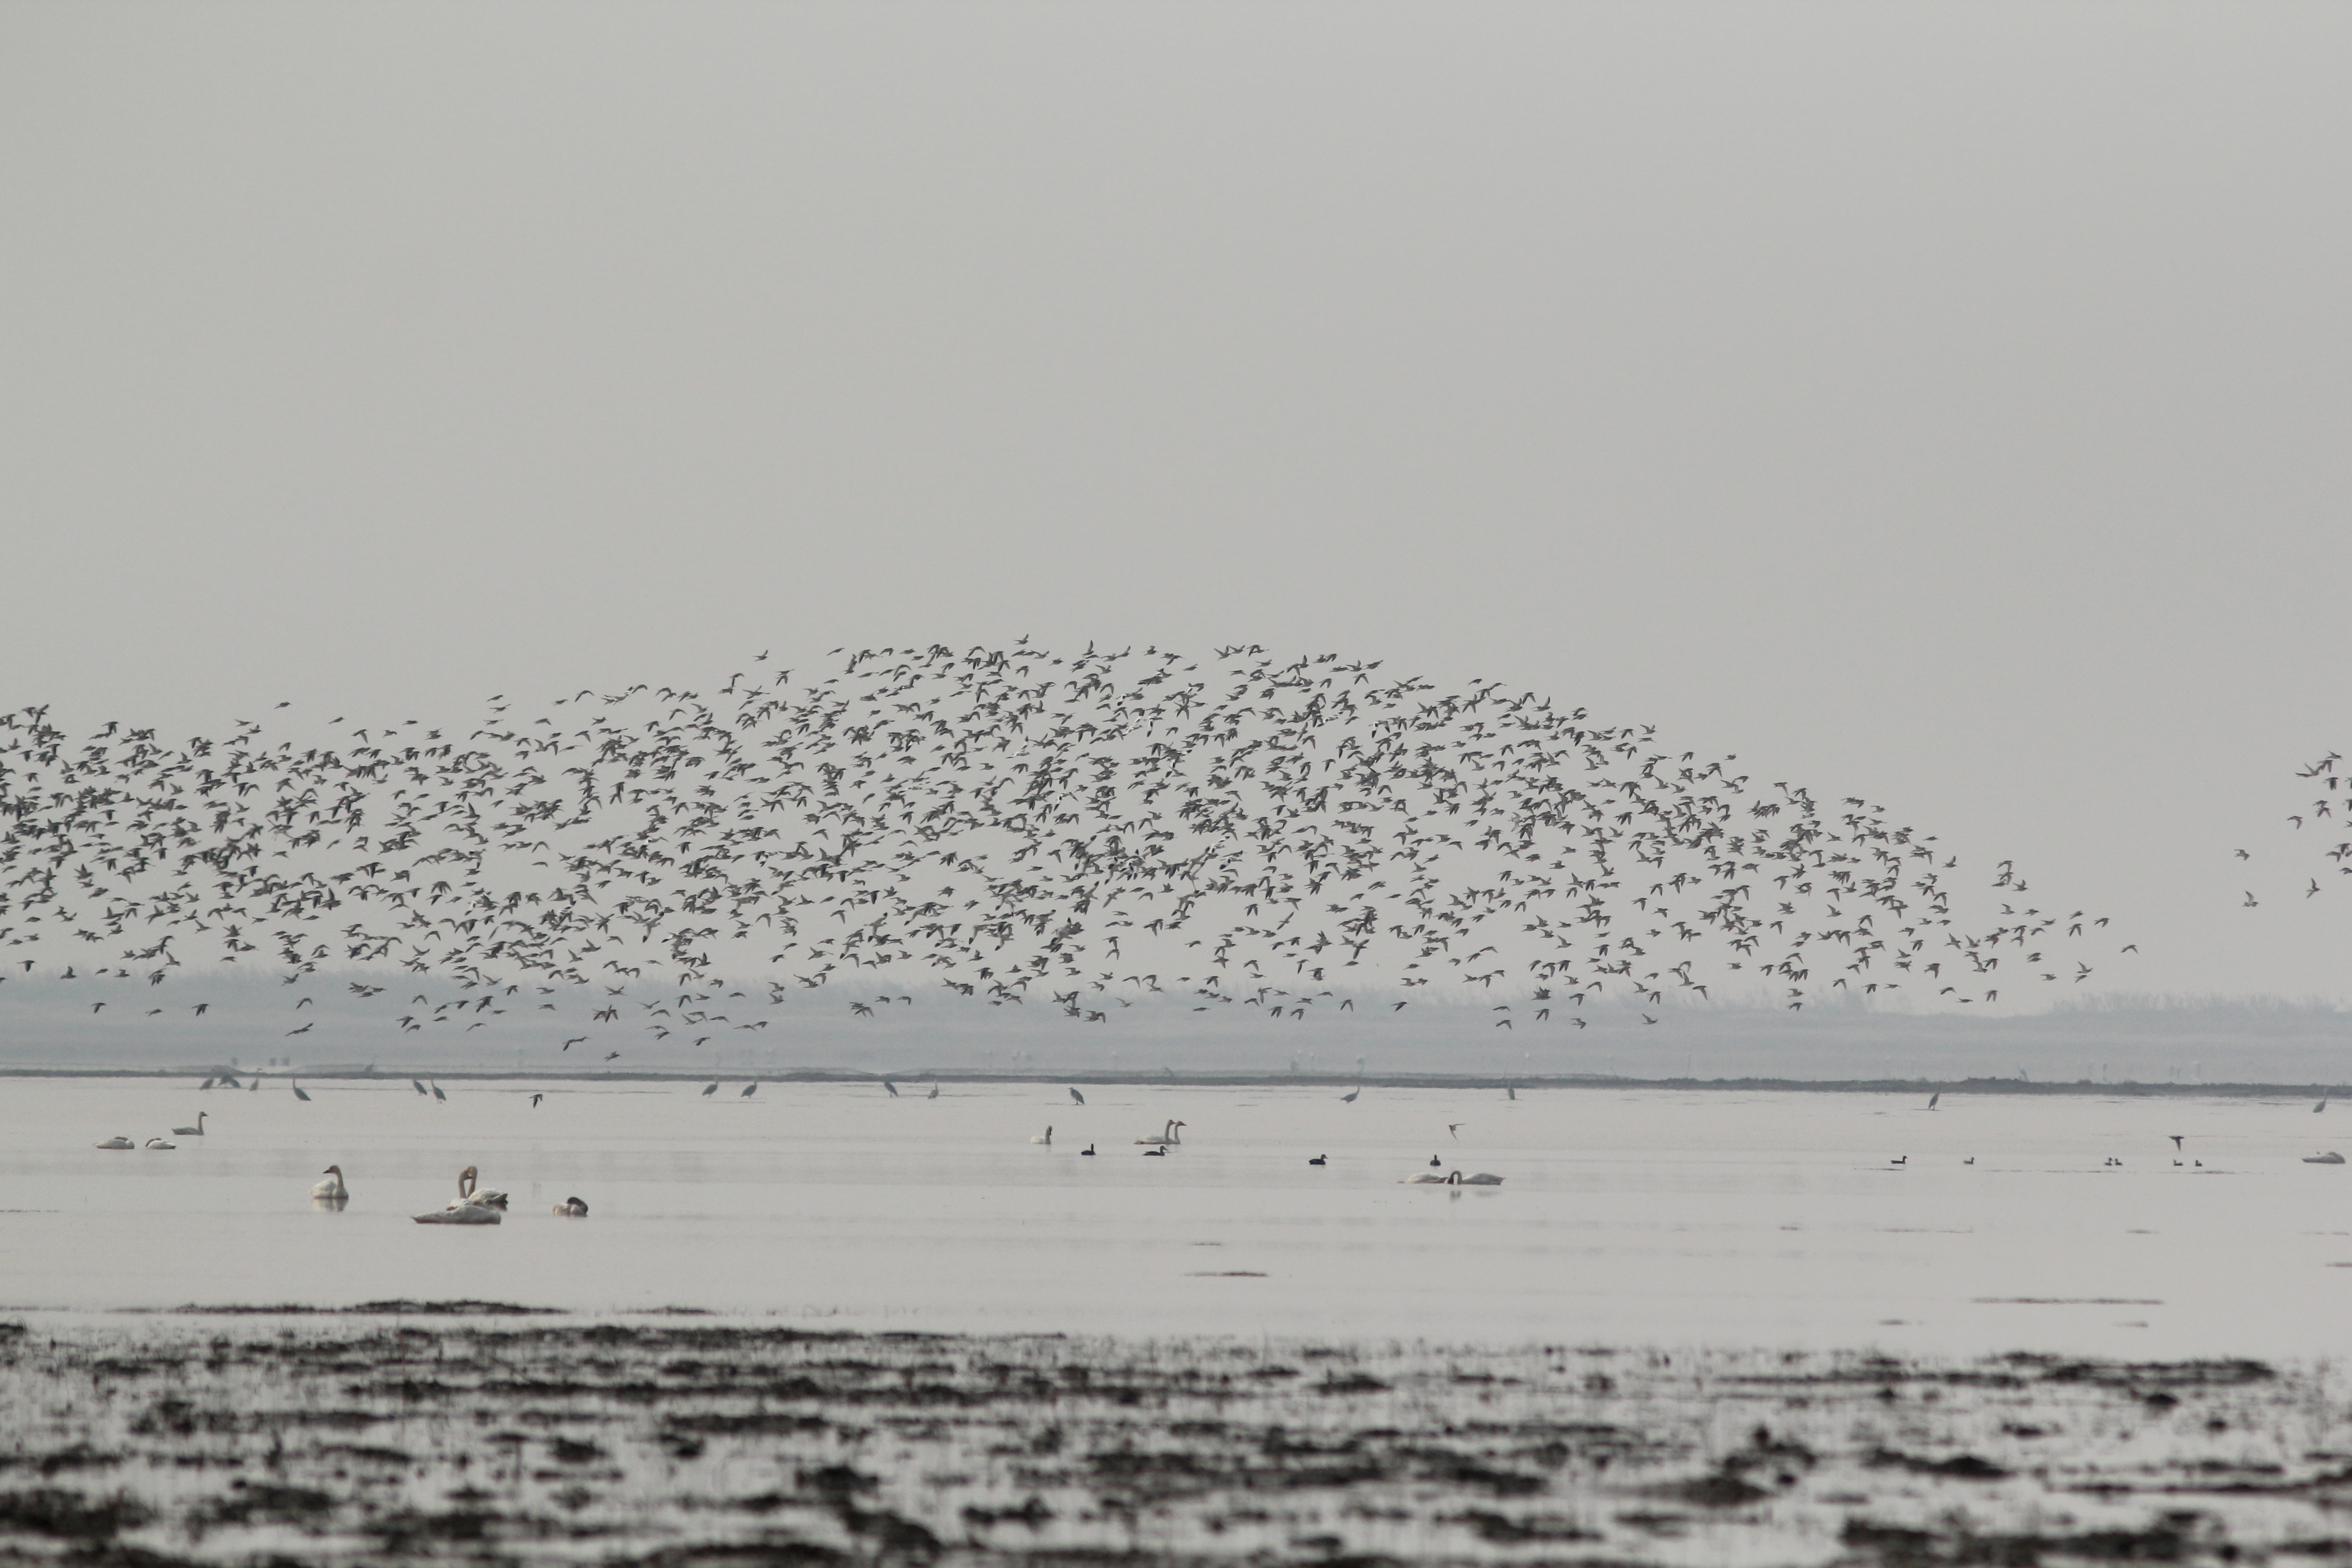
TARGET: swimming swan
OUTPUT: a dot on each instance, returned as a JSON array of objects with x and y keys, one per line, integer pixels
[
  {"x": 470, "y": 1207},
  {"x": 1455, "y": 1179},
  {"x": 195, "y": 1131},
  {"x": 1045, "y": 1138},
  {"x": 331, "y": 1190},
  {"x": 159, "y": 1143},
  {"x": 116, "y": 1142},
  {"x": 2330, "y": 1158},
  {"x": 468, "y": 1197},
  {"x": 571, "y": 1208},
  {"x": 1168, "y": 1135}
]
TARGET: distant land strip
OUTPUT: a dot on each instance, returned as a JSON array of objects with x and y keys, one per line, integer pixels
[{"x": 1490, "y": 1081}]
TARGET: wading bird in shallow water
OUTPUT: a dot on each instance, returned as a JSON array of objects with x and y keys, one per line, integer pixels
[{"x": 1077, "y": 1098}]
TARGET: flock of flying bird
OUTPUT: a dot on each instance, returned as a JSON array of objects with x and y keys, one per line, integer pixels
[{"x": 1077, "y": 832}]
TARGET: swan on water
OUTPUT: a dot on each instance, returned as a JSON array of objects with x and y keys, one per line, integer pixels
[
  {"x": 2330, "y": 1158},
  {"x": 1168, "y": 1135},
  {"x": 1045, "y": 1137},
  {"x": 116, "y": 1142},
  {"x": 571, "y": 1208},
  {"x": 1320, "y": 1160},
  {"x": 471, "y": 1196},
  {"x": 195, "y": 1131},
  {"x": 331, "y": 1190},
  {"x": 1455, "y": 1179},
  {"x": 159, "y": 1143},
  {"x": 471, "y": 1206}
]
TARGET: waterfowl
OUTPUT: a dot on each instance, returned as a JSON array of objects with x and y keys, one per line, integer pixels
[
  {"x": 1087, "y": 1150},
  {"x": 331, "y": 1190},
  {"x": 116, "y": 1142},
  {"x": 1047, "y": 1137},
  {"x": 1318, "y": 1160},
  {"x": 708, "y": 1089},
  {"x": 1168, "y": 1135},
  {"x": 471, "y": 1196},
  {"x": 1156, "y": 1153},
  {"x": 2330, "y": 1158},
  {"x": 195, "y": 1131},
  {"x": 571, "y": 1208},
  {"x": 159, "y": 1143}
]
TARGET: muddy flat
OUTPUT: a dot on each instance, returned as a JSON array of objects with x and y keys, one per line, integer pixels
[{"x": 470, "y": 1433}]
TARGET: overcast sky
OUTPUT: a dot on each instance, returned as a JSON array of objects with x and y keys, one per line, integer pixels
[{"x": 1944, "y": 405}]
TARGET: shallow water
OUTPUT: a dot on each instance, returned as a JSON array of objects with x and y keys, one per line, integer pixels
[{"x": 1717, "y": 1217}]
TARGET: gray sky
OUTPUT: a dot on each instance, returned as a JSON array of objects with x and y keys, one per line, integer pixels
[{"x": 1944, "y": 405}]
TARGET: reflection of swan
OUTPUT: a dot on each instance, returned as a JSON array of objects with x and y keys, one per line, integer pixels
[
  {"x": 1168, "y": 1135},
  {"x": 159, "y": 1143},
  {"x": 331, "y": 1190},
  {"x": 571, "y": 1208},
  {"x": 195, "y": 1131},
  {"x": 1457, "y": 1179},
  {"x": 2330, "y": 1158},
  {"x": 117, "y": 1143},
  {"x": 1045, "y": 1138}
]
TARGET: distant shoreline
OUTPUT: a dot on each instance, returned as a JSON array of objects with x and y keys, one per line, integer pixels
[{"x": 1490, "y": 1081}]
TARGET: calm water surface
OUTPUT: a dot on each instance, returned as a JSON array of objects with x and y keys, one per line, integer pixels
[{"x": 1624, "y": 1216}]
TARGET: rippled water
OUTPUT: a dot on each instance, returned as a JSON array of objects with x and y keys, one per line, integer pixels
[{"x": 1743, "y": 1219}]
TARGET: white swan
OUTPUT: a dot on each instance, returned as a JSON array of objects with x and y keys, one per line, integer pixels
[
  {"x": 1455, "y": 1179},
  {"x": 2330, "y": 1158},
  {"x": 159, "y": 1143},
  {"x": 195, "y": 1131},
  {"x": 331, "y": 1190},
  {"x": 1045, "y": 1138},
  {"x": 571, "y": 1208},
  {"x": 1169, "y": 1137},
  {"x": 469, "y": 1196},
  {"x": 471, "y": 1205},
  {"x": 116, "y": 1142}
]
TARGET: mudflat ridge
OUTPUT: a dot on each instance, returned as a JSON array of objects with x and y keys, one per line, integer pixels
[{"x": 405, "y": 1431}]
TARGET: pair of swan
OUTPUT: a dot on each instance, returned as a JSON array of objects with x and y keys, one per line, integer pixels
[
  {"x": 1169, "y": 1136},
  {"x": 472, "y": 1205},
  {"x": 118, "y": 1141},
  {"x": 1457, "y": 1179}
]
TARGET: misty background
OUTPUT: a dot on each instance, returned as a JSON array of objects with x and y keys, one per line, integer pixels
[{"x": 1940, "y": 404}]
